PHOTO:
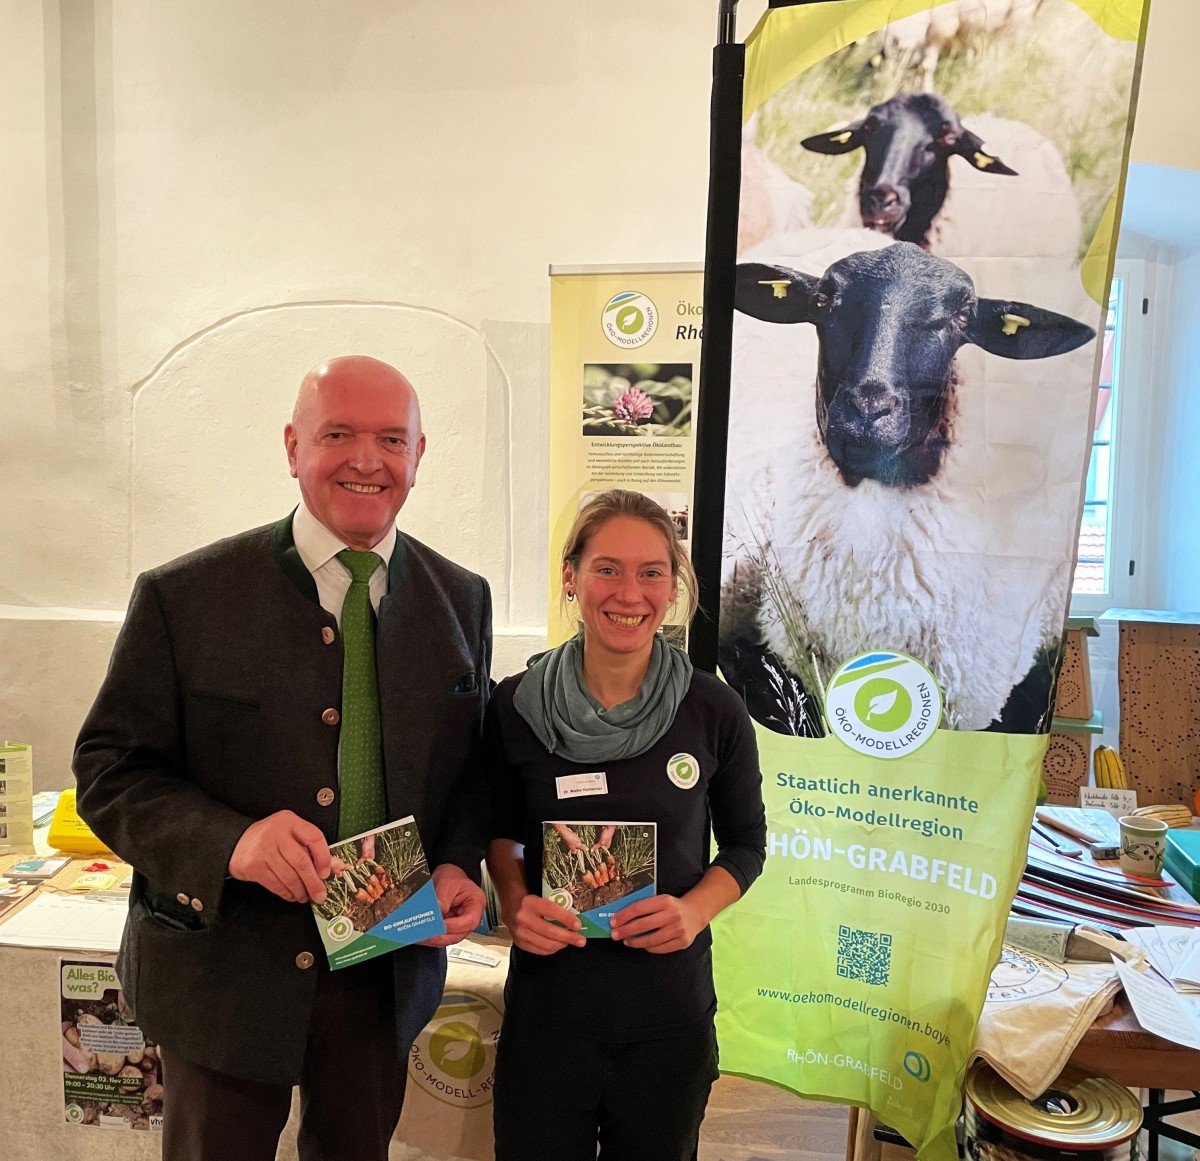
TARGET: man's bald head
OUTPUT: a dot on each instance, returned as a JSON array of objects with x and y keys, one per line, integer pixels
[
  {"x": 354, "y": 444},
  {"x": 357, "y": 369}
]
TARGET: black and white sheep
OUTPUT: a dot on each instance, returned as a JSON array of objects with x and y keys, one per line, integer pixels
[
  {"x": 913, "y": 514},
  {"x": 908, "y": 142},
  {"x": 975, "y": 213}
]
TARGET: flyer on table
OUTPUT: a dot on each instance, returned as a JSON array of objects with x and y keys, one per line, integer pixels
[
  {"x": 624, "y": 366},
  {"x": 112, "y": 1076},
  {"x": 597, "y": 868},
  {"x": 380, "y": 895}
]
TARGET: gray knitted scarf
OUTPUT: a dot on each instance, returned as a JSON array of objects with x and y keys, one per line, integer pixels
[{"x": 554, "y": 699}]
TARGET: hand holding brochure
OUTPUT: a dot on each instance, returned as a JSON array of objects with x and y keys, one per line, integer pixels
[
  {"x": 597, "y": 868},
  {"x": 380, "y": 896}
]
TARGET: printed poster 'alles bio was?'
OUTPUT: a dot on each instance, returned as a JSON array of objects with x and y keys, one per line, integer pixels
[{"x": 112, "y": 1078}]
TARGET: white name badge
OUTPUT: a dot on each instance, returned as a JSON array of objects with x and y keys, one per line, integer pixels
[{"x": 581, "y": 785}]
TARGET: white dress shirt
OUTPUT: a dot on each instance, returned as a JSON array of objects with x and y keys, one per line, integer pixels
[{"x": 318, "y": 549}]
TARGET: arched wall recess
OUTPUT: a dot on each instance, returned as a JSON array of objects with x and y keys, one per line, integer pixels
[{"x": 207, "y": 448}]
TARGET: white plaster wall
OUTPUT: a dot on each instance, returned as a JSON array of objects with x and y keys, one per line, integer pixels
[
  {"x": 208, "y": 457},
  {"x": 1167, "y": 130},
  {"x": 1180, "y": 475},
  {"x": 201, "y": 201}
]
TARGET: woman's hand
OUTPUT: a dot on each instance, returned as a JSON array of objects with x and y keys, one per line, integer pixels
[
  {"x": 663, "y": 923},
  {"x": 534, "y": 926},
  {"x": 658, "y": 924}
]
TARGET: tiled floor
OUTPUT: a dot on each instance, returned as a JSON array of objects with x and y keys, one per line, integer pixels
[{"x": 750, "y": 1121}]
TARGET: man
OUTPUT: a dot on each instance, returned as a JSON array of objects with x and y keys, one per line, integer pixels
[{"x": 252, "y": 714}]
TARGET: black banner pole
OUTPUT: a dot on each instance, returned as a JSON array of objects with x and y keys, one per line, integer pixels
[
  {"x": 720, "y": 254},
  {"x": 716, "y": 352}
]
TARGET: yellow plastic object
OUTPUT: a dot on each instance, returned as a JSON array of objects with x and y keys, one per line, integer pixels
[{"x": 70, "y": 834}]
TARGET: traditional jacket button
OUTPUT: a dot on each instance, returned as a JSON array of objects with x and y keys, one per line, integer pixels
[
  {"x": 331, "y": 717},
  {"x": 324, "y": 796},
  {"x": 183, "y": 898},
  {"x": 197, "y": 905},
  {"x": 328, "y": 635},
  {"x": 304, "y": 960}
]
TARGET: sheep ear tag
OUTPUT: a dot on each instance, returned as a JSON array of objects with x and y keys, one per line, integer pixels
[
  {"x": 984, "y": 162},
  {"x": 1020, "y": 330},
  {"x": 838, "y": 141},
  {"x": 774, "y": 294},
  {"x": 684, "y": 771}
]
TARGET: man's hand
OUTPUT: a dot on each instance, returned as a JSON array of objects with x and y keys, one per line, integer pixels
[
  {"x": 534, "y": 926},
  {"x": 461, "y": 901},
  {"x": 285, "y": 854},
  {"x": 659, "y": 924}
]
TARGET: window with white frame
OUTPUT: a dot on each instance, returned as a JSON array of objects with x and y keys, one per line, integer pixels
[{"x": 1105, "y": 568}]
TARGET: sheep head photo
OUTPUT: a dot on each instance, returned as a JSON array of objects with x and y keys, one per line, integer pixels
[
  {"x": 976, "y": 128},
  {"x": 889, "y": 324},
  {"x": 907, "y": 143}
]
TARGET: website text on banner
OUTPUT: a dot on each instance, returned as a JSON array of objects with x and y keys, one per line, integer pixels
[{"x": 928, "y": 212}]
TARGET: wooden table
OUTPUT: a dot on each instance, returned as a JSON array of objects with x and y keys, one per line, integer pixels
[
  {"x": 1116, "y": 1045},
  {"x": 1121, "y": 1048}
]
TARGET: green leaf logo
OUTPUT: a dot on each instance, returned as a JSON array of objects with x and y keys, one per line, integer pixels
[
  {"x": 630, "y": 320},
  {"x": 340, "y": 929},
  {"x": 457, "y": 1049},
  {"x": 883, "y": 704},
  {"x": 683, "y": 770}
]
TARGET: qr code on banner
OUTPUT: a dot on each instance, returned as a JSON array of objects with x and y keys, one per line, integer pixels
[{"x": 864, "y": 955}]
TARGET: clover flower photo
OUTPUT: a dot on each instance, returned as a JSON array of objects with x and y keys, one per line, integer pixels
[{"x": 637, "y": 400}]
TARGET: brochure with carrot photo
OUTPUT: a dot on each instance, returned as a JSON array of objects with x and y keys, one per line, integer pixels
[
  {"x": 380, "y": 895},
  {"x": 596, "y": 868}
]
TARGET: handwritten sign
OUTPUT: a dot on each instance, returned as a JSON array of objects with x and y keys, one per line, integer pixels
[{"x": 1115, "y": 802}]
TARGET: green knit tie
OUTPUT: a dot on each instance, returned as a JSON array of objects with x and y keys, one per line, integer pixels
[{"x": 360, "y": 773}]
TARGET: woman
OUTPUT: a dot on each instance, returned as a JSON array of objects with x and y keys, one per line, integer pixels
[{"x": 612, "y": 1040}]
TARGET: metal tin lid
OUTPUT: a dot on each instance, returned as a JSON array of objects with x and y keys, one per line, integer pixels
[{"x": 1081, "y": 1110}]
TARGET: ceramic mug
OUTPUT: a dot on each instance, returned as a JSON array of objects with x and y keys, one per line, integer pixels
[{"x": 1143, "y": 842}]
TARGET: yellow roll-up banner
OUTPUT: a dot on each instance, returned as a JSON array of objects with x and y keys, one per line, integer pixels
[{"x": 624, "y": 361}]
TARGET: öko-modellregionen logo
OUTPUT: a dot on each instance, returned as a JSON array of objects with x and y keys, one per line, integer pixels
[
  {"x": 884, "y": 704},
  {"x": 454, "y": 1057},
  {"x": 684, "y": 771},
  {"x": 629, "y": 319}
]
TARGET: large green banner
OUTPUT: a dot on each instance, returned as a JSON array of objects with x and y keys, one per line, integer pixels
[{"x": 929, "y": 204}]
